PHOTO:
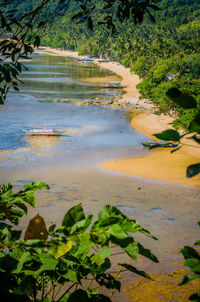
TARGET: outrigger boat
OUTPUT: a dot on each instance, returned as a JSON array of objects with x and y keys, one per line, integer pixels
[
  {"x": 44, "y": 132},
  {"x": 113, "y": 86},
  {"x": 160, "y": 144}
]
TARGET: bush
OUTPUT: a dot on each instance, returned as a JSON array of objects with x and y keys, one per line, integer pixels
[{"x": 51, "y": 266}]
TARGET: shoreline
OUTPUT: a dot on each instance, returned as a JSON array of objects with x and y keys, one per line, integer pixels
[
  {"x": 130, "y": 100},
  {"x": 160, "y": 164}
]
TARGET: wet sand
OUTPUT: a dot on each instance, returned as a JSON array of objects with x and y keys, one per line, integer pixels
[{"x": 160, "y": 164}]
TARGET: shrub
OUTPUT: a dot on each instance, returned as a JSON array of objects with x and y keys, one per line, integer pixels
[{"x": 53, "y": 268}]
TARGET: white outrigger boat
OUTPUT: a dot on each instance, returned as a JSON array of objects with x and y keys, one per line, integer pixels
[{"x": 44, "y": 132}]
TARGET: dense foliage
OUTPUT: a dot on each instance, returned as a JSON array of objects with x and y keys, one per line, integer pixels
[
  {"x": 68, "y": 263},
  {"x": 164, "y": 55},
  {"x": 22, "y": 22},
  {"x": 191, "y": 260}
]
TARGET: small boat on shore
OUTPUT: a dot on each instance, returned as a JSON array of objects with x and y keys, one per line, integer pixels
[
  {"x": 160, "y": 144},
  {"x": 113, "y": 86},
  {"x": 43, "y": 132}
]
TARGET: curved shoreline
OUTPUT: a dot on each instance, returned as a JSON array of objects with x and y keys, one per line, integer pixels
[
  {"x": 130, "y": 100},
  {"x": 159, "y": 164}
]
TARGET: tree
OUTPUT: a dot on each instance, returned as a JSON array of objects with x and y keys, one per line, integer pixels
[{"x": 26, "y": 19}]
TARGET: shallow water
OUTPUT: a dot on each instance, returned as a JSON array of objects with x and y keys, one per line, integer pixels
[
  {"x": 69, "y": 163},
  {"x": 87, "y": 130}
]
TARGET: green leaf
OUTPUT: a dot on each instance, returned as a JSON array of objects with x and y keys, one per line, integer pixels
[
  {"x": 173, "y": 93},
  {"x": 59, "y": 248},
  {"x": 84, "y": 244},
  {"x": 135, "y": 270},
  {"x": 108, "y": 281},
  {"x": 189, "y": 252},
  {"x": 74, "y": 215},
  {"x": 36, "y": 185},
  {"x": 65, "y": 298},
  {"x": 24, "y": 257},
  {"x": 116, "y": 231},
  {"x": 78, "y": 295},
  {"x": 81, "y": 226},
  {"x": 108, "y": 211},
  {"x": 195, "y": 297},
  {"x": 71, "y": 275},
  {"x": 197, "y": 242},
  {"x": 191, "y": 262},
  {"x": 37, "y": 41},
  {"x": 100, "y": 298},
  {"x": 48, "y": 262},
  {"x": 52, "y": 229},
  {"x": 168, "y": 135},
  {"x": 132, "y": 250},
  {"x": 147, "y": 233},
  {"x": 147, "y": 253},
  {"x": 195, "y": 127},
  {"x": 100, "y": 256},
  {"x": 21, "y": 205},
  {"x": 34, "y": 243},
  {"x": 187, "y": 278},
  {"x": 26, "y": 286},
  {"x": 182, "y": 99},
  {"x": 193, "y": 170}
]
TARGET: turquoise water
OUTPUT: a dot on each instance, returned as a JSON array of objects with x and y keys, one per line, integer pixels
[{"x": 52, "y": 87}]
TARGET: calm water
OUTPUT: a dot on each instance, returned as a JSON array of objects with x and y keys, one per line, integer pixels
[
  {"x": 69, "y": 163},
  {"x": 92, "y": 134}
]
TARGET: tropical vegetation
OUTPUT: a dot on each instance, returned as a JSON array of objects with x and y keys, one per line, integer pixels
[{"x": 66, "y": 263}]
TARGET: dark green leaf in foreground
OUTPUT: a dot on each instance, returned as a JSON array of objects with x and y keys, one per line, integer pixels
[
  {"x": 182, "y": 99},
  {"x": 135, "y": 270},
  {"x": 36, "y": 185},
  {"x": 100, "y": 298},
  {"x": 100, "y": 256},
  {"x": 187, "y": 278},
  {"x": 173, "y": 93},
  {"x": 169, "y": 135},
  {"x": 73, "y": 216},
  {"x": 195, "y": 297},
  {"x": 193, "y": 170},
  {"x": 195, "y": 125},
  {"x": 147, "y": 253},
  {"x": 196, "y": 139},
  {"x": 108, "y": 281},
  {"x": 189, "y": 252},
  {"x": 78, "y": 295}
]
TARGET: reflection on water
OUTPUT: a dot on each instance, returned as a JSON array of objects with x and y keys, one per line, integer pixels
[
  {"x": 52, "y": 88},
  {"x": 43, "y": 142}
]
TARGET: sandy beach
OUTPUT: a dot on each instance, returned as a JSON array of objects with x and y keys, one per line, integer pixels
[
  {"x": 159, "y": 164},
  {"x": 128, "y": 79}
]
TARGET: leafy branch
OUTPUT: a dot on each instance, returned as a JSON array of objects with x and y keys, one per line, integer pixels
[{"x": 37, "y": 269}]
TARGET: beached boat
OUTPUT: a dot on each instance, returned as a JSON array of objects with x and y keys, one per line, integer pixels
[
  {"x": 43, "y": 132},
  {"x": 160, "y": 144},
  {"x": 85, "y": 60},
  {"x": 113, "y": 86}
]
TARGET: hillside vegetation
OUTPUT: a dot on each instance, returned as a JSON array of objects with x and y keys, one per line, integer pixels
[{"x": 151, "y": 50}]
